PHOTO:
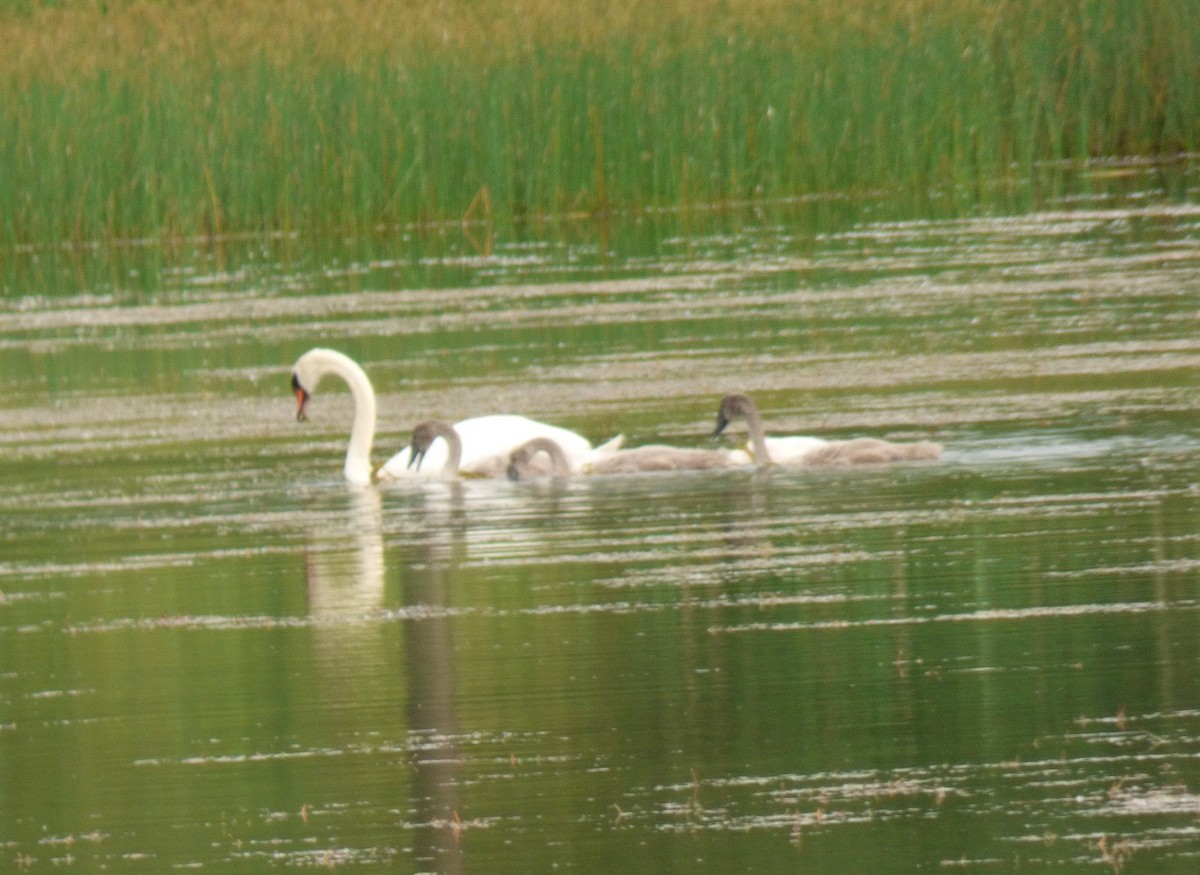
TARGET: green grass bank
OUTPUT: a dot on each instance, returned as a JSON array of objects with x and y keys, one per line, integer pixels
[{"x": 169, "y": 119}]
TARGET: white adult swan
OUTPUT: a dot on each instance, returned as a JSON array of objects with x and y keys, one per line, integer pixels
[
  {"x": 652, "y": 457},
  {"x": 483, "y": 437},
  {"x": 814, "y": 451}
]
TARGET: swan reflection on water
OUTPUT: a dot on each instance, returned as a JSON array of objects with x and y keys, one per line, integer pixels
[
  {"x": 355, "y": 635},
  {"x": 344, "y": 563}
]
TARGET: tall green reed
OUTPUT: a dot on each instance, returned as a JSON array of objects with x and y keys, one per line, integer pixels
[{"x": 654, "y": 113}]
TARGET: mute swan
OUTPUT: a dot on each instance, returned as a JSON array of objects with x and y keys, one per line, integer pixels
[
  {"x": 486, "y": 440},
  {"x": 814, "y": 451},
  {"x": 652, "y": 457}
]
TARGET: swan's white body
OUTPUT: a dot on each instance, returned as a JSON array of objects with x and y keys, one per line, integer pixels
[{"x": 487, "y": 441}]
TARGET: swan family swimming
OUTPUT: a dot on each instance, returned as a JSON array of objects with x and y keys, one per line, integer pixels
[
  {"x": 500, "y": 444},
  {"x": 486, "y": 440}
]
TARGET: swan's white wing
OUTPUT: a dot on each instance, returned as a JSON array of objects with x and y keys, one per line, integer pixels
[
  {"x": 487, "y": 443},
  {"x": 792, "y": 450},
  {"x": 609, "y": 448}
]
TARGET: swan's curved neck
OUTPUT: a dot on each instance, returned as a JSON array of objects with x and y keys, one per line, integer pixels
[
  {"x": 362, "y": 430},
  {"x": 523, "y": 455},
  {"x": 559, "y": 466},
  {"x": 758, "y": 436}
]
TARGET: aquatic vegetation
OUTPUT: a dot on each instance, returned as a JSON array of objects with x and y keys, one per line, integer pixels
[{"x": 132, "y": 120}]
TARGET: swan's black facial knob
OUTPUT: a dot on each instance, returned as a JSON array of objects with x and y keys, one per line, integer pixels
[
  {"x": 415, "y": 460},
  {"x": 722, "y": 421}
]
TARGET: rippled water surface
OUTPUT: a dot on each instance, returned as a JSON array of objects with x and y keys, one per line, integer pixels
[{"x": 217, "y": 656}]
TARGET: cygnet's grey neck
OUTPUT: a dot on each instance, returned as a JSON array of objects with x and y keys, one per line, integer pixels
[
  {"x": 423, "y": 436},
  {"x": 740, "y": 406},
  {"x": 521, "y": 458}
]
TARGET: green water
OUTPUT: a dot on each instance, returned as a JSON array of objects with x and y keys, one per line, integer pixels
[{"x": 214, "y": 655}]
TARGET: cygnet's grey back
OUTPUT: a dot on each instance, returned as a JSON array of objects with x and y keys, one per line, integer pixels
[
  {"x": 871, "y": 451},
  {"x": 660, "y": 457}
]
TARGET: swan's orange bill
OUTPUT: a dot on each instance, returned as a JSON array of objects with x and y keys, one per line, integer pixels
[{"x": 301, "y": 399}]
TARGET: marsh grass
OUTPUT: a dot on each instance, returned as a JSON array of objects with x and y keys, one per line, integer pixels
[{"x": 130, "y": 120}]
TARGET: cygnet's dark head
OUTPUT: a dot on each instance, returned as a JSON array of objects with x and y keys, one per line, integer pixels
[
  {"x": 423, "y": 437},
  {"x": 732, "y": 406}
]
